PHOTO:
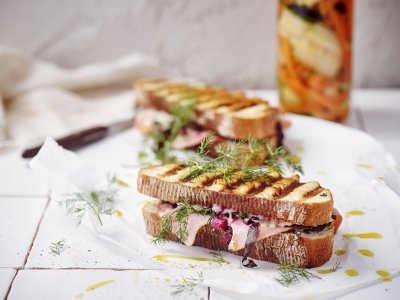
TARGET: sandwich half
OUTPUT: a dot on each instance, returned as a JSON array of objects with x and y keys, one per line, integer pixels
[
  {"x": 228, "y": 114},
  {"x": 271, "y": 218}
]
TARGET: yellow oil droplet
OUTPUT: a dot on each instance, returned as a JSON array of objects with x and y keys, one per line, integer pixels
[
  {"x": 167, "y": 258},
  {"x": 296, "y": 159},
  {"x": 323, "y": 173},
  {"x": 118, "y": 212},
  {"x": 351, "y": 272},
  {"x": 79, "y": 296},
  {"x": 365, "y": 166},
  {"x": 385, "y": 275},
  {"x": 167, "y": 279},
  {"x": 98, "y": 285},
  {"x": 326, "y": 271},
  {"x": 340, "y": 252},
  {"x": 354, "y": 213},
  {"x": 366, "y": 252},
  {"x": 299, "y": 149},
  {"x": 367, "y": 235}
]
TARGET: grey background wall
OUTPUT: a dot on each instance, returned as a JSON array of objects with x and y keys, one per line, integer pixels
[{"x": 228, "y": 42}]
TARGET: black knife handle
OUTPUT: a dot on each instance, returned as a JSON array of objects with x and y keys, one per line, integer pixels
[{"x": 73, "y": 141}]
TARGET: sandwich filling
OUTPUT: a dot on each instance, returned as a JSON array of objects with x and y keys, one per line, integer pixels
[
  {"x": 240, "y": 231},
  {"x": 149, "y": 120},
  {"x": 233, "y": 225}
]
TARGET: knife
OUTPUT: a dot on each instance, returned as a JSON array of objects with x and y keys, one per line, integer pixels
[{"x": 83, "y": 138}]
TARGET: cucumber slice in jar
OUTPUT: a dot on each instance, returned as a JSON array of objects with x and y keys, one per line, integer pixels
[{"x": 314, "y": 44}]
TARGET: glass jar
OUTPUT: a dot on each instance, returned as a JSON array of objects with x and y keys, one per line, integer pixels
[{"x": 314, "y": 57}]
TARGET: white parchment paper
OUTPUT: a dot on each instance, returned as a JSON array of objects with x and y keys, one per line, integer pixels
[{"x": 359, "y": 172}]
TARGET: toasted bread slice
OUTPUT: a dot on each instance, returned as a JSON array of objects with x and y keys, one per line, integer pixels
[
  {"x": 229, "y": 114},
  {"x": 276, "y": 198},
  {"x": 306, "y": 249}
]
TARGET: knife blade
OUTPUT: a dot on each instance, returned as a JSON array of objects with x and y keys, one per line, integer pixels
[{"x": 84, "y": 137}]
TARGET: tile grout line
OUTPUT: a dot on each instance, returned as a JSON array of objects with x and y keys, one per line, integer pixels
[
  {"x": 37, "y": 230},
  {"x": 30, "y": 248},
  {"x": 11, "y": 284}
]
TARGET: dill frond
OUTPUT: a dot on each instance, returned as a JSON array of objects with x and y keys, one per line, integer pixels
[
  {"x": 218, "y": 257},
  {"x": 99, "y": 202},
  {"x": 335, "y": 267},
  {"x": 292, "y": 274},
  {"x": 187, "y": 285},
  {"x": 180, "y": 216},
  {"x": 161, "y": 139},
  {"x": 239, "y": 157},
  {"x": 119, "y": 181},
  {"x": 57, "y": 247}
]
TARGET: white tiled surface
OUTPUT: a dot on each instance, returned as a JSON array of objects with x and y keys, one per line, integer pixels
[
  {"x": 78, "y": 284},
  {"x": 86, "y": 261},
  {"x": 19, "y": 219},
  {"x": 82, "y": 248},
  {"x": 6, "y": 276},
  {"x": 16, "y": 179}
]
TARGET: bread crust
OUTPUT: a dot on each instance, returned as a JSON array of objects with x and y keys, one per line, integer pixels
[
  {"x": 306, "y": 214},
  {"x": 306, "y": 250}
]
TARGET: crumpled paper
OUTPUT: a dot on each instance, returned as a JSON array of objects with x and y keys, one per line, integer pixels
[{"x": 352, "y": 164}]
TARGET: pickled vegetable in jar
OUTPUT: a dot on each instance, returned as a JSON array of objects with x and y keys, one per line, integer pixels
[{"x": 314, "y": 57}]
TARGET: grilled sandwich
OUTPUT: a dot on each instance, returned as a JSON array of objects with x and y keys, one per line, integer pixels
[
  {"x": 271, "y": 218},
  {"x": 230, "y": 115}
]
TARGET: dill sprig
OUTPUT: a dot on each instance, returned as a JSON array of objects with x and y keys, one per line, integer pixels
[
  {"x": 180, "y": 216},
  {"x": 98, "y": 202},
  {"x": 218, "y": 257},
  {"x": 187, "y": 285},
  {"x": 335, "y": 267},
  {"x": 241, "y": 157},
  {"x": 291, "y": 274},
  {"x": 119, "y": 181},
  {"x": 162, "y": 139},
  {"x": 182, "y": 115},
  {"x": 57, "y": 247},
  {"x": 278, "y": 157}
]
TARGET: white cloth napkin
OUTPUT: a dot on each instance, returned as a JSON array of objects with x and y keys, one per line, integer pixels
[{"x": 41, "y": 99}]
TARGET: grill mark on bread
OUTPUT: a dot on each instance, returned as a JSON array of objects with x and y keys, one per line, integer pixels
[
  {"x": 173, "y": 171},
  {"x": 234, "y": 107},
  {"x": 286, "y": 199}
]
